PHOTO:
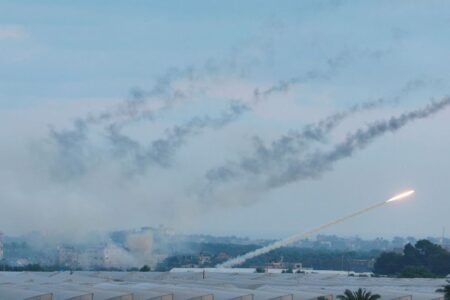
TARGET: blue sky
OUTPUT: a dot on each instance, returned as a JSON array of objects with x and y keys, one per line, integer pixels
[{"x": 65, "y": 61}]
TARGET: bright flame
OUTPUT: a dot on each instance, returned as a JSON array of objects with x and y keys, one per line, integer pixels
[{"x": 401, "y": 196}]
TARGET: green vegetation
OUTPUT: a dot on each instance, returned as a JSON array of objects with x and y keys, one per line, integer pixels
[
  {"x": 360, "y": 294},
  {"x": 319, "y": 259},
  {"x": 145, "y": 269},
  {"x": 424, "y": 259},
  {"x": 445, "y": 290},
  {"x": 416, "y": 272},
  {"x": 260, "y": 270},
  {"x": 33, "y": 268}
]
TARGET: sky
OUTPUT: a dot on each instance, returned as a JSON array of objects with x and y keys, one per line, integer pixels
[{"x": 248, "y": 118}]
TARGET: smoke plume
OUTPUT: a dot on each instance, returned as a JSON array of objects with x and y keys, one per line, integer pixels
[
  {"x": 162, "y": 150},
  {"x": 288, "y": 160},
  {"x": 74, "y": 145},
  {"x": 294, "y": 143},
  {"x": 77, "y": 152},
  {"x": 318, "y": 162}
]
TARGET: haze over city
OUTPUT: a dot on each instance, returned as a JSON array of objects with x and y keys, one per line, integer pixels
[{"x": 247, "y": 118}]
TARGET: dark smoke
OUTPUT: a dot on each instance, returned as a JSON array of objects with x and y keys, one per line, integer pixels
[
  {"x": 288, "y": 159},
  {"x": 135, "y": 107},
  {"x": 162, "y": 151},
  {"x": 294, "y": 143},
  {"x": 333, "y": 65},
  {"x": 319, "y": 162}
]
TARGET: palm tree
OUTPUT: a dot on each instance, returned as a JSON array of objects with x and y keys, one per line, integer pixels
[
  {"x": 360, "y": 294},
  {"x": 446, "y": 290}
]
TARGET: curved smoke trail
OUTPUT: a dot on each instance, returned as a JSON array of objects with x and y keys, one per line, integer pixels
[{"x": 319, "y": 162}]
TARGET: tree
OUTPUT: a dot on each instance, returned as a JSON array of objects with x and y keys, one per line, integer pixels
[
  {"x": 445, "y": 290},
  {"x": 145, "y": 269},
  {"x": 424, "y": 259},
  {"x": 411, "y": 256},
  {"x": 360, "y": 294},
  {"x": 388, "y": 263},
  {"x": 416, "y": 272}
]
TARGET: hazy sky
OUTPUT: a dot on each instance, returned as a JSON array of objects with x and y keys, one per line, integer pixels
[{"x": 259, "y": 118}]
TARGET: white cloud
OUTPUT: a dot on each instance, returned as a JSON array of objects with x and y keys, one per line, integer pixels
[{"x": 12, "y": 32}]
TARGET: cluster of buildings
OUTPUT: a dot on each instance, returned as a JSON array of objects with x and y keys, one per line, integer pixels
[
  {"x": 125, "y": 249},
  {"x": 131, "y": 249},
  {"x": 119, "y": 250}
]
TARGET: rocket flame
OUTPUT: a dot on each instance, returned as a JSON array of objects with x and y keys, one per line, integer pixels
[{"x": 401, "y": 196}]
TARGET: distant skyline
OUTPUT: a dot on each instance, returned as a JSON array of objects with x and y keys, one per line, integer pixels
[{"x": 247, "y": 118}]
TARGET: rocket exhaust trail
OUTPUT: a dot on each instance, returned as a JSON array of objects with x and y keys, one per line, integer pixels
[{"x": 241, "y": 259}]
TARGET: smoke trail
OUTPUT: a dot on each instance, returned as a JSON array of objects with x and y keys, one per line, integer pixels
[
  {"x": 298, "y": 237},
  {"x": 333, "y": 65},
  {"x": 319, "y": 162},
  {"x": 161, "y": 151},
  {"x": 266, "y": 158},
  {"x": 71, "y": 143},
  {"x": 135, "y": 107}
]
